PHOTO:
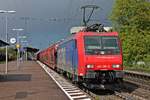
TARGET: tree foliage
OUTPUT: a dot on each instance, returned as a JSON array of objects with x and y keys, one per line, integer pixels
[
  {"x": 132, "y": 19},
  {"x": 11, "y": 54}
]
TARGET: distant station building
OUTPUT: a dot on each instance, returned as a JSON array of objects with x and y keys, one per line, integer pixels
[
  {"x": 2, "y": 43},
  {"x": 30, "y": 53},
  {"x": 30, "y": 49},
  {"x": 2, "y": 55}
]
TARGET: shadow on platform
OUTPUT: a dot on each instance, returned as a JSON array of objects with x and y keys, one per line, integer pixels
[{"x": 15, "y": 77}]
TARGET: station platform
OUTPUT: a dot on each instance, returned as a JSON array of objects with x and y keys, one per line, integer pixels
[{"x": 28, "y": 82}]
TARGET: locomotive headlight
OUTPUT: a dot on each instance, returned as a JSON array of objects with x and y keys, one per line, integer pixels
[
  {"x": 116, "y": 66},
  {"x": 90, "y": 66}
]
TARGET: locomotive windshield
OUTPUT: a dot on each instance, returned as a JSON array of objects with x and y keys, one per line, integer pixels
[{"x": 101, "y": 45}]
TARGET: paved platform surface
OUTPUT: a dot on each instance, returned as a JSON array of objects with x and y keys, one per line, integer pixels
[{"x": 28, "y": 82}]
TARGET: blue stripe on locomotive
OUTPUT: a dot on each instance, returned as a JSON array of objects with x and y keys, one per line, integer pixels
[{"x": 69, "y": 55}]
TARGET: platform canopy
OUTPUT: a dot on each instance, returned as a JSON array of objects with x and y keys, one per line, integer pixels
[
  {"x": 2, "y": 43},
  {"x": 30, "y": 49}
]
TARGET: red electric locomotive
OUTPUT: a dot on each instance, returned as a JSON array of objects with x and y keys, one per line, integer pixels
[{"x": 90, "y": 57}]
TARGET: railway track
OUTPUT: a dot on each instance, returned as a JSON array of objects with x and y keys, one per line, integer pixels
[
  {"x": 127, "y": 92},
  {"x": 130, "y": 90},
  {"x": 138, "y": 78},
  {"x": 119, "y": 95}
]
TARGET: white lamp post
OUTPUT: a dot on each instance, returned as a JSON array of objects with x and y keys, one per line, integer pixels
[
  {"x": 6, "y": 14},
  {"x": 18, "y": 52}
]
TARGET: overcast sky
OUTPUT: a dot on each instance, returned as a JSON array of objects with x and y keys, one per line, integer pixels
[{"x": 48, "y": 21}]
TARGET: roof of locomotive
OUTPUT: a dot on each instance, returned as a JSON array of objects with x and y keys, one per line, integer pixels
[{"x": 97, "y": 33}]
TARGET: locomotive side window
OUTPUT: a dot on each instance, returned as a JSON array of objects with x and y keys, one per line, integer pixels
[
  {"x": 101, "y": 45},
  {"x": 75, "y": 43}
]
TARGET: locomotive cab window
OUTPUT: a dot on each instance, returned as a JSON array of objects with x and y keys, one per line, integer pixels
[
  {"x": 101, "y": 45},
  {"x": 110, "y": 42}
]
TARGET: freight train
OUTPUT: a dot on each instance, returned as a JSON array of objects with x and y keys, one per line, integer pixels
[{"x": 91, "y": 56}]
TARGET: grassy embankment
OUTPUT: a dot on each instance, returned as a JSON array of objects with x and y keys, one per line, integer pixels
[{"x": 145, "y": 69}]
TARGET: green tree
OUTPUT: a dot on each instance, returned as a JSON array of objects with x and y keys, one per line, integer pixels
[
  {"x": 11, "y": 54},
  {"x": 132, "y": 19}
]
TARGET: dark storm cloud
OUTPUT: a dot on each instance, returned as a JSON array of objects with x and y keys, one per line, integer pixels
[{"x": 48, "y": 20}]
